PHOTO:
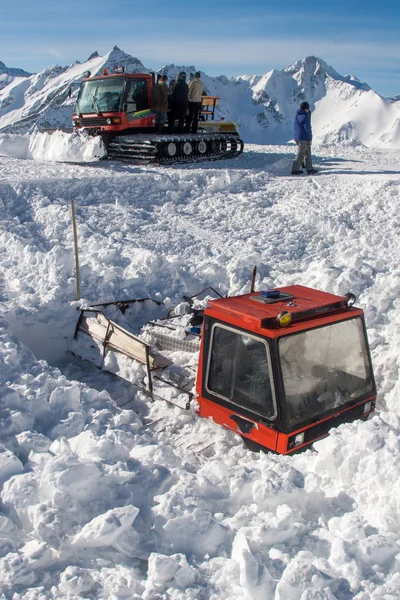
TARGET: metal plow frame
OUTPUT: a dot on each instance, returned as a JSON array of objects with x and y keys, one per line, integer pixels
[{"x": 114, "y": 337}]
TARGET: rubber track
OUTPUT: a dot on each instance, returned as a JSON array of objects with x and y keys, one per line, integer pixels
[{"x": 144, "y": 150}]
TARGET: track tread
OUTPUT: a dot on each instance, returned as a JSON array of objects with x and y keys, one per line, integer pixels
[{"x": 151, "y": 149}]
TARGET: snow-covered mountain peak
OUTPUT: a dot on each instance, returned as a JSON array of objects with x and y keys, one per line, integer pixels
[
  {"x": 312, "y": 71},
  {"x": 116, "y": 56},
  {"x": 12, "y": 71},
  {"x": 311, "y": 65},
  {"x": 172, "y": 70},
  {"x": 94, "y": 54}
]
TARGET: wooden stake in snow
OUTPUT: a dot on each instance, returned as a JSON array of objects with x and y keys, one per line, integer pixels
[{"x": 78, "y": 291}]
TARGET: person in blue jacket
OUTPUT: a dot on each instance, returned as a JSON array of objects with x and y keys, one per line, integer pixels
[{"x": 303, "y": 139}]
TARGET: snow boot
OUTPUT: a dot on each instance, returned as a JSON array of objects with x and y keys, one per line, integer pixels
[
  {"x": 297, "y": 173},
  {"x": 312, "y": 171}
]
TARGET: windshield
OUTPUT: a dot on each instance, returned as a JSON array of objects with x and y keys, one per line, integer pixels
[
  {"x": 100, "y": 95},
  {"x": 324, "y": 369}
]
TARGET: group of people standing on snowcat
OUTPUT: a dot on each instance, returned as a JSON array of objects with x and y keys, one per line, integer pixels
[
  {"x": 178, "y": 101},
  {"x": 182, "y": 102}
]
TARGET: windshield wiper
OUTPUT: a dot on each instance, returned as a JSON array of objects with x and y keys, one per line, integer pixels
[{"x": 94, "y": 103}]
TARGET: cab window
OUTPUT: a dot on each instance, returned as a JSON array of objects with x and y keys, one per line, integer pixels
[
  {"x": 137, "y": 98},
  {"x": 239, "y": 370}
]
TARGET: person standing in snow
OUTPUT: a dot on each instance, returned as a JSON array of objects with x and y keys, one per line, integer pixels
[
  {"x": 196, "y": 88},
  {"x": 303, "y": 139},
  {"x": 179, "y": 103},
  {"x": 159, "y": 102}
]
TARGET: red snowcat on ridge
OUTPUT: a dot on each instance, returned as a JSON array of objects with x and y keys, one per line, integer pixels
[{"x": 118, "y": 108}]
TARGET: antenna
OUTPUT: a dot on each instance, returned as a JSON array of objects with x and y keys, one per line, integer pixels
[{"x": 253, "y": 279}]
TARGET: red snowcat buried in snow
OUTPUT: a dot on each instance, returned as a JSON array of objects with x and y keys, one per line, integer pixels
[
  {"x": 279, "y": 367},
  {"x": 118, "y": 108}
]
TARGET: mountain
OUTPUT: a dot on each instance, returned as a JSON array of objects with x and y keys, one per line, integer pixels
[
  {"x": 344, "y": 108},
  {"x": 7, "y": 74},
  {"x": 13, "y": 72}
]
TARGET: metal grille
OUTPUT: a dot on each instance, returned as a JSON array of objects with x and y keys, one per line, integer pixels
[{"x": 93, "y": 121}]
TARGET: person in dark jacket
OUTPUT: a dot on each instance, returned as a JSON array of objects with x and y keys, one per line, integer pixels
[
  {"x": 303, "y": 139},
  {"x": 179, "y": 103},
  {"x": 159, "y": 102}
]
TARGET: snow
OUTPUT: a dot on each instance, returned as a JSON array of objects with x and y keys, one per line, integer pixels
[
  {"x": 107, "y": 495},
  {"x": 57, "y": 146}
]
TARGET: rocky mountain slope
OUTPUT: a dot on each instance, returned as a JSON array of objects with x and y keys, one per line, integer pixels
[
  {"x": 7, "y": 74},
  {"x": 344, "y": 109}
]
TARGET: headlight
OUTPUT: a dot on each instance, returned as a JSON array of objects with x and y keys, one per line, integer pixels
[
  {"x": 367, "y": 407},
  {"x": 299, "y": 439},
  {"x": 109, "y": 121},
  {"x": 296, "y": 440}
]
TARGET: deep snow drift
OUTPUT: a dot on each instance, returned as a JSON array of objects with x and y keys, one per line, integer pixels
[{"x": 105, "y": 495}]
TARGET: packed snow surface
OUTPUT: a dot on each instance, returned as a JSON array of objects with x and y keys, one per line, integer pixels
[{"x": 106, "y": 495}]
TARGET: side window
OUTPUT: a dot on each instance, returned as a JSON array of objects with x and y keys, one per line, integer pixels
[
  {"x": 239, "y": 370},
  {"x": 137, "y": 98}
]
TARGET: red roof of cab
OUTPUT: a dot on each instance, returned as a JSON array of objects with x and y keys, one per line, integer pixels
[{"x": 249, "y": 312}]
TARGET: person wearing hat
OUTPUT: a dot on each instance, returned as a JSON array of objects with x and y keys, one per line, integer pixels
[
  {"x": 159, "y": 102},
  {"x": 303, "y": 139},
  {"x": 196, "y": 88},
  {"x": 179, "y": 103}
]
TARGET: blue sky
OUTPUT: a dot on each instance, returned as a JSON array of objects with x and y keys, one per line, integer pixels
[{"x": 219, "y": 37}]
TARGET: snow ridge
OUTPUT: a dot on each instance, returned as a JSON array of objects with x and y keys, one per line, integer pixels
[{"x": 344, "y": 108}]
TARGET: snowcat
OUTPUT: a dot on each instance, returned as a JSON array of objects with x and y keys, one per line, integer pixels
[
  {"x": 118, "y": 108},
  {"x": 279, "y": 367}
]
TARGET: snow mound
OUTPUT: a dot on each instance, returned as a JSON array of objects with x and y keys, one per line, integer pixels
[{"x": 56, "y": 147}]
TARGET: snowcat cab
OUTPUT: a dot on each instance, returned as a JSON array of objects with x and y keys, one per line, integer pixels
[
  {"x": 283, "y": 367},
  {"x": 118, "y": 108},
  {"x": 280, "y": 367}
]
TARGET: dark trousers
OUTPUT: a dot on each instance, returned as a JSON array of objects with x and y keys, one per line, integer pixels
[
  {"x": 178, "y": 111},
  {"x": 193, "y": 116}
]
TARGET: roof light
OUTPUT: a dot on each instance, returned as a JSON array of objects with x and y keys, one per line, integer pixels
[
  {"x": 119, "y": 69},
  {"x": 349, "y": 299},
  {"x": 284, "y": 318},
  {"x": 271, "y": 293},
  {"x": 86, "y": 74}
]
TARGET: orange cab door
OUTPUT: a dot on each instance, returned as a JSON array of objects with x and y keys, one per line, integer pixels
[{"x": 137, "y": 103}]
